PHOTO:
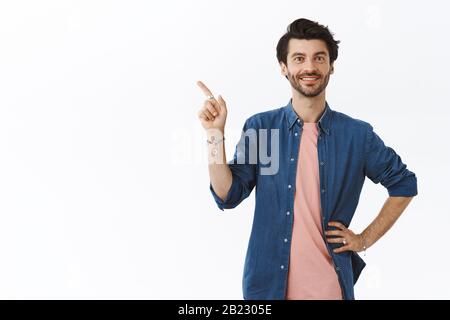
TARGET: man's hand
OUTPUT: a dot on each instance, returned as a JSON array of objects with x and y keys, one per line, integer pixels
[
  {"x": 391, "y": 211},
  {"x": 347, "y": 237},
  {"x": 213, "y": 114}
]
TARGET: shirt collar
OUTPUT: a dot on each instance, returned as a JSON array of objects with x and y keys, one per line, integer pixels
[{"x": 324, "y": 121}]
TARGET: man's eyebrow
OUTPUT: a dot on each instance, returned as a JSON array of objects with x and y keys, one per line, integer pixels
[{"x": 302, "y": 54}]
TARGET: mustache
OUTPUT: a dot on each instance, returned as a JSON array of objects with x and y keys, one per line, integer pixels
[{"x": 313, "y": 74}]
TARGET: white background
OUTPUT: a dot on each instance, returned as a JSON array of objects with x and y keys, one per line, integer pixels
[{"x": 103, "y": 175}]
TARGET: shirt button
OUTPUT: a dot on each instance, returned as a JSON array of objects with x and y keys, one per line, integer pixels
[
  {"x": 298, "y": 120},
  {"x": 296, "y": 134},
  {"x": 282, "y": 267},
  {"x": 292, "y": 159},
  {"x": 288, "y": 213},
  {"x": 338, "y": 269},
  {"x": 289, "y": 186},
  {"x": 323, "y": 190},
  {"x": 321, "y": 163},
  {"x": 285, "y": 240}
]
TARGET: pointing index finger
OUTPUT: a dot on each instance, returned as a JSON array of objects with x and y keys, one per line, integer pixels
[
  {"x": 204, "y": 88},
  {"x": 208, "y": 94}
]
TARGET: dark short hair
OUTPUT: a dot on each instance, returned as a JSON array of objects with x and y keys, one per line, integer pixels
[{"x": 308, "y": 30}]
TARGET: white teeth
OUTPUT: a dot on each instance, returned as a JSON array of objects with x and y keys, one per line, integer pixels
[{"x": 308, "y": 78}]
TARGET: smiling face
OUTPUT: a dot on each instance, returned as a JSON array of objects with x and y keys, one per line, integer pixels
[{"x": 308, "y": 66}]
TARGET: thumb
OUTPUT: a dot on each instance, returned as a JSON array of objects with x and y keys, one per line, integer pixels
[{"x": 222, "y": 102}]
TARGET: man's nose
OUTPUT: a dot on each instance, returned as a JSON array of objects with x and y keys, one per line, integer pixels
[{"x": 309, "y": 66}]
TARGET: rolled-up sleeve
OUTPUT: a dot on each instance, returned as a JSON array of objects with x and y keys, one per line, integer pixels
[
  {"x": 383, "y": 165},
  {"x": 243, "y": 172}
]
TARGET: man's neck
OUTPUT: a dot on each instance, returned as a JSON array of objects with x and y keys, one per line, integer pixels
[{"x": 309, "y": 109}]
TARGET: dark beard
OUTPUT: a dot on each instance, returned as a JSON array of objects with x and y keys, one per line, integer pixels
[{"x": 296, "y": 85}]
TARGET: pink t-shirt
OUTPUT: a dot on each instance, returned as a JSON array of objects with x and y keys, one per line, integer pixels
[{"x": 311, "y": 272}]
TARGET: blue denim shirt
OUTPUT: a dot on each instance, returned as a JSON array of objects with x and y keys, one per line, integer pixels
[{"x": 348, "y": 151}]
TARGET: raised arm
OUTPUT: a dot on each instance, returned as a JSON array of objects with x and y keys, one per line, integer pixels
[{"x": 213, "y": 116}]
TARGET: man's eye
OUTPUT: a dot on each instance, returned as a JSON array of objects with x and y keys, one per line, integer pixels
[
  {"x": 298, "y": 59},
  {"x": 320, "y": 58}
]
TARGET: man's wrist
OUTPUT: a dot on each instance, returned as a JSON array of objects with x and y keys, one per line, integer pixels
[
  {"x": 363, "y": 242},
  {"x": 217, "y": 133},
  {"x": 214, "y": 140}
]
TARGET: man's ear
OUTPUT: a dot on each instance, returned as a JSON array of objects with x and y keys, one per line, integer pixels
[
  {"x": 283, "y": 69},
  {"x": 332, "y": 69}
]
